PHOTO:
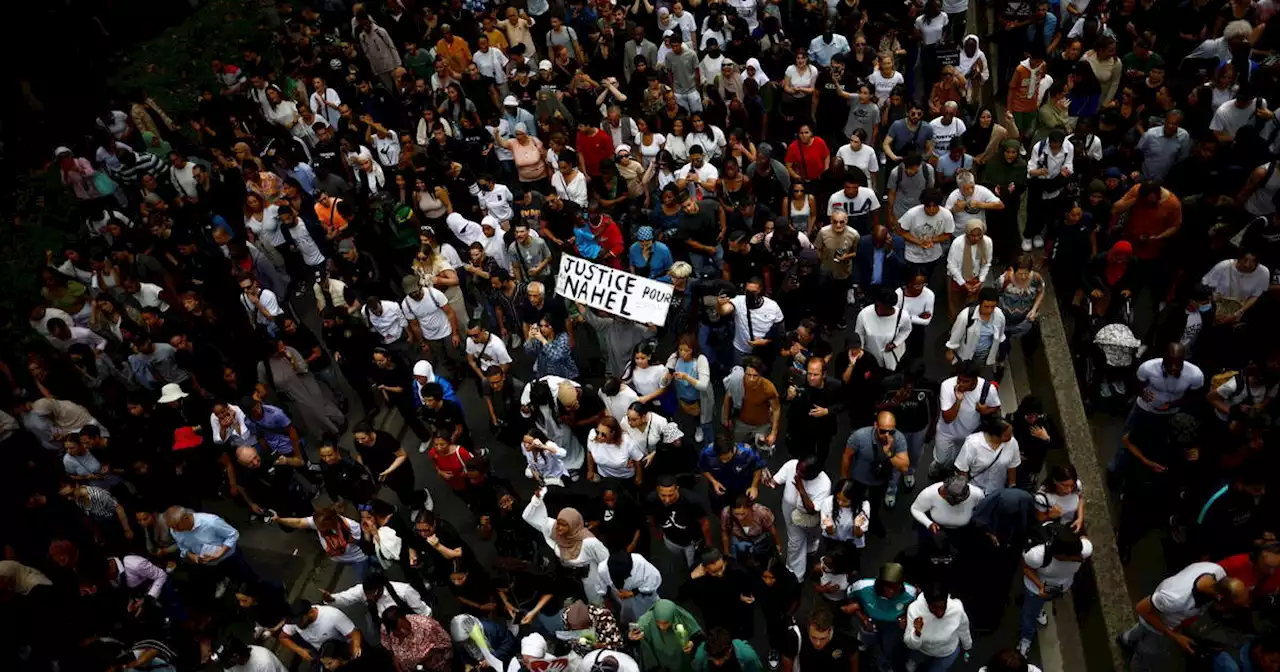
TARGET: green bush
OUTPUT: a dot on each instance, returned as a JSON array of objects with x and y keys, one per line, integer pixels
[{"x": 174, "y": 66}]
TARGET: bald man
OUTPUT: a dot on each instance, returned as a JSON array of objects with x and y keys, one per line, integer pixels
[
  {"x": 871, "y": 455},
  {"x": 1165, "y": 385},
  {"x": 271, "y": 484}
]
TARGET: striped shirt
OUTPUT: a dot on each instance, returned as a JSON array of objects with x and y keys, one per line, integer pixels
[{"x": 96, "y": 502}]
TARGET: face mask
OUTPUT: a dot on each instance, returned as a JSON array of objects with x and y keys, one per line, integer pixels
[
  {"x": 754, "y": 300},
  {"x": 1205, "y": 308}
]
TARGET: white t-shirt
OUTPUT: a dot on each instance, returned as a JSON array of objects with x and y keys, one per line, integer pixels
[
  {"x": 353, "y": 552},
  {"x": 613, "y": 461},
  {"x": 1252, "y": 395},
  {"x": 981, "y": 194},
  {"x": 863, "y": 159},
  {"x": 916, "y": 222},
  {"x": 987, "y": 468},
  {"x": 1166, "y": 389},
  {"x": 1174, "y": 598},
  {"x": 429, "y": 312},
  {"x": 1227, "y": 280},
  {"x": 967, "y": 419},
  {"x": 818, "y": 489},
  {"x": 884, "y": 85},
  {"x": 930, "y": 507},
  {"x": 762, "y": 320},
  {"x": 617, "y": 405},
  {"x": 1230, "y": 119},
  {"x": 330, "y": 624},
  {"x": 944, "y": 133},
  {"x": 1058, "y": 574},
  {"x": 862, "y": 203},
  {"x": 1068, "y": 504},
  {"x": 931, "y": 30},
  {"x": 802, "y": 80},
  {"x": 647, "y": 380},
  {"x": 260, "y": 660},
  {"x": 490, "y": 353}
]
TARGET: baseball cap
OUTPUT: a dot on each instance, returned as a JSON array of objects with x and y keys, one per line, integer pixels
[
  {"x": 510, "y": 101},
  {"x": 544, "y": 65}
]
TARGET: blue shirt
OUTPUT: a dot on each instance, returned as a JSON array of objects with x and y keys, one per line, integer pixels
[
  {"x": 737, "y": 474},
  {"x": 305, "y": 177},
  {"x": 209, "y": 534},
  {"x": 659, "y": 261},
  {"x": 877, "y": 267},
  {"x": 1224, "y": 662},
  {"x": 866, "y": 452},
  {"x": 273, "y": 427}
]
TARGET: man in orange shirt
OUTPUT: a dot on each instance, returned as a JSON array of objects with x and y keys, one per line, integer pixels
[
  {"x": 329, "y": 216},
  {"x": 1155, "y": 214},
  {"x": 453, "y": 50}
]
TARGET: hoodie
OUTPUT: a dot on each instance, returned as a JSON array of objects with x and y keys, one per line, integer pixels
[
  {"x": 940, "y": 636},
  {"x": 999, "y": 173},
  {"x": 1024, "y": 87}
]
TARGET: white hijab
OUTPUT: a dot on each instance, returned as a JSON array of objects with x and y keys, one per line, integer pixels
[{"x": 760, "y": 77}]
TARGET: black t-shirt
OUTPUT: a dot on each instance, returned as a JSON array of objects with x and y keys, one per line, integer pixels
[
  {"x": 304, "y": 341},
  {"x": 532, "y": 213},
  {"x": 561, "y": 222},
  {"x": 703, "y": 226},
  {"x": 618, "y": 525},
  {"x": 447, "y": 419},
  {"x": 682, "y": 521},
  {"x": 382, "y": 453},
  {"x": 746, "y": 265},
  {"x": 833, "y": 656},
  {"x": 552, "y": 308},
  {"x": 832, "y": 108},
  {"x": 397, "y": 377}
]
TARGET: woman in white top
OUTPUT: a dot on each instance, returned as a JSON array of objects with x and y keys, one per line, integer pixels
[
  {"x": 262, "y": 221},
  {"x": 884, "y": 79},
  {"x": 846, "y": 514},
  {"x": 617, "y": 397},
  {"x": 649, "y": 380},
  {"x": 569, "y": 182},
  {"x": 884, "y": 327},
  {"x": 611, "y": 454},
  {"x": 325, "y": 102},
  {"x": 676, "y": 143},
  {"x": 937, "y": 630},
  {"x": 990, "y": 456},
  {"x": 800, "y": 207},
  {"x": 798, "y": 80},
  {"x": 709, "y": 136},
  {"x": 1061, "y": 498},
  {"x": 284, "y": 113},
  {"x": 648, "y": 142},
  {"x": 968, "y": 263},
  {"x": 858, "y": 154},
  {"x": 917, "y": 300},
  {"x": 652, "y": 434},
  {"x": 543, "y": 456},
  {"x": 570, "y": 540}
]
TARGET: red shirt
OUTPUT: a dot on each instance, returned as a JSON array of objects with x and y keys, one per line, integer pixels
[
  {"x": 454, "y": 465},
  {"x": 593, "y": 149},
  {"x": 1241, "y": 567},
  {"x": 609, "y": 238},
  {"x": 808, "y": 159}
]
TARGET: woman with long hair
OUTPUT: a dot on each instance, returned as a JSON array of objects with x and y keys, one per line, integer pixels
[
  {"x": 690, "y": 372},
  {"x": 611, "y": 454},
  {"x": 846, "y": 517},
  {"x": 549, "y": 346},
  {"x": 649, "y": 380}
]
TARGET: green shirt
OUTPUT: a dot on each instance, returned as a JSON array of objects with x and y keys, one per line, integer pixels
[
  {"x": 1132, "y": 62},
  {"x": 881, "y": 609},
  {"x": 419, "y": 63}
]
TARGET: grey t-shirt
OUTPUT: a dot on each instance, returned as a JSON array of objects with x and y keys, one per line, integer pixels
[
  {"x": 908, "y": 187},
  {"x": 682, "y": 67},
  {"x": 864, "y": 117},
  {"x": 868, "y": 458},
  {"x": 564, "y": 38},
  {"x": 526, "y": 257}
]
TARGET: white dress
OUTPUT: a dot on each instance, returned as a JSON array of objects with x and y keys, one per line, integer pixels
[{"x": 592, "y": 555}]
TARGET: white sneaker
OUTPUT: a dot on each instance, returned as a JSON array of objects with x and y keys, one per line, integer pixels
[
  {"x": 697, "y": 435},
  {"x": 1104, "y": 390},
  {"x": 1119, "y": 387},
  {"x": 424, "y": 446},
  {"x": 1038, "y": 241},
  {"x": 1024, "y": 645},
  {"x": 909, "y": 478},
  {"x": 1026, "y": 244},
  {"x": 1042, "y": 619}
]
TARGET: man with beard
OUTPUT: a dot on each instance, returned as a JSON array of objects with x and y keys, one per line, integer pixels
[{"x": 722, "y": 590}]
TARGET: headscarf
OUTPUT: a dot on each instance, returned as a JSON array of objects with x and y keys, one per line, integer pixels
[
  {"x": 760, "y": 77},
  {"x": 644, "y": 233},
  {"x": 967, "y": 61},
  {"x": 570, "y": 543},
  {"x": 665, "y": 650},
  {"x": 1118, "y": 261},
  {"x": 534, "y": 646},
  {"x": 423, "y": 368},
  {"x": 966, "y": 263},
  {"x": 548, "y": 105},
  {"x": 978, "y": 138},
  {"x": 577, "y": 616},
  {"x": 620, "y": 568},
  {"x": 731, "y": 82}
]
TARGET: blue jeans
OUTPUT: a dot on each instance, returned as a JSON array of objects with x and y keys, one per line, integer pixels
[
  {"x": 886, "y": 643},
  {"x": 1032, "y": 605},
  {"x": 919, "y": 662},
  {"x": 707, "y": 266},
  {"x": 915, "y": 446}
]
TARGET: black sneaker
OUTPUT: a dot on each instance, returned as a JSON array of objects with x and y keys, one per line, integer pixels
[{"x": 775, "y": 660}]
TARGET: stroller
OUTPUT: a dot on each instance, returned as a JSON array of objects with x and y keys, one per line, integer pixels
[{"x": 1105, "y": 354}]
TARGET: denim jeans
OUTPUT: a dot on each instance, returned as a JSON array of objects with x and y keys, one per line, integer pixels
[
  {"x": 707, "y": 266},
  {"x": 1032, "y": 605},
  {"x": 886, "y": 644},
  {"x": 915, "y": 446},
  {"x": 919, "y": 662},
  {"x": 690, "y": 100}
]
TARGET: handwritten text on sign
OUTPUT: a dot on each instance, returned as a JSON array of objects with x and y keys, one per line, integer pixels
[{"x": 624, "y": 294}]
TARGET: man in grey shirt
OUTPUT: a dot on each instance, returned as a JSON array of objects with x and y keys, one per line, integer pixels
[
  {"x": 906, "y": 182},
  {"x": 1164, "y": 146},
  {"x": 530, "y": 257},
  {"x": 561, "y": 35},
  {"x": 682, "y": 63},
  {"x": 638, "y": 46},
  {"x": 871, "y": 455}
]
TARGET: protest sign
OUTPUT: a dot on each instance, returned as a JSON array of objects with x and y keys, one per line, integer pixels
[{"x": 618, "y": 292}]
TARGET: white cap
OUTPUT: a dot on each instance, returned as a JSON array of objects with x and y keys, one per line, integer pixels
[
  {"x": 510, "y": 101},
  {"x": 544, "y": 65}
]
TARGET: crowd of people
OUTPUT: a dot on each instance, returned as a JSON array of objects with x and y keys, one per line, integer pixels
[{"x": 360, "y": 225}]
